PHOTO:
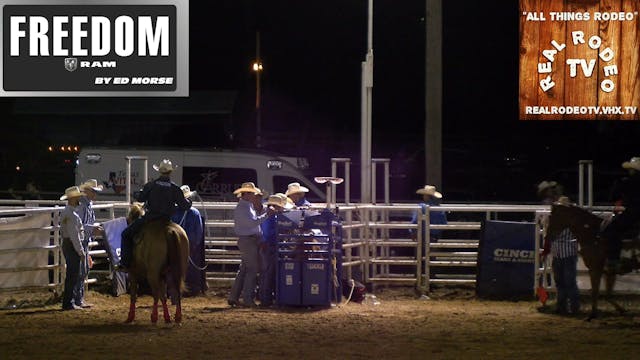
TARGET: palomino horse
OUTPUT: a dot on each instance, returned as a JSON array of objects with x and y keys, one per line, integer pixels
[
  {"x": 160, "y": 256},
  {"x": 586, "y": 227}
]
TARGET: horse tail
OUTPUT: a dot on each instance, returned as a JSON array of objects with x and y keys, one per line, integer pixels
[{"x": 178, "y": 251}]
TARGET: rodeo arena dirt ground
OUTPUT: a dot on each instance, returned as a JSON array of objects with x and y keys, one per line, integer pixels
[{"x": 450, "y": 323}]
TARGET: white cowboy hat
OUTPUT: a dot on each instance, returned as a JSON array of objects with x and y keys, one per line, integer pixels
[
  {"x": 429, "y": 190},
  {"x": 164, "y": 167},
  {"x": 634, "y": 163},
  {"x": 91, "y": 184},
  {"x": 186, "y": 191},
  {"x": 546, "y": 185},
  {"x": 281, "y": 200},
  {"x": 294, "y": 188},
  {"x": 71, "y": 192},
  {"x": 247, "y": 187}
]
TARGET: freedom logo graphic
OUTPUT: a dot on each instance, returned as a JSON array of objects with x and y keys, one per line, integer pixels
[{"x": 107, "y": 48}]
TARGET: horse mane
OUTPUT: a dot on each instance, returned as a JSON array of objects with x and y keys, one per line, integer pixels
[{"x": 136, "y": 211}]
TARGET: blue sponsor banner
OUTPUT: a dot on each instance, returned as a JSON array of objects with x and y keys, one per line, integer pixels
[
  {"x": 506, "y": 259},
  {"x": 113, "y": 232}
]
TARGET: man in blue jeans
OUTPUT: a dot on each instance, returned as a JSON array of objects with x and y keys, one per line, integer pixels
[
  {"x": 564, "y": 249},
  {"x": 246, "y": 224},
  {"x": 268, "y": 248}
]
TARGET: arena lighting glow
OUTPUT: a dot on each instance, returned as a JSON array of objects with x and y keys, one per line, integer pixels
[{"x": 578, "y": 62}]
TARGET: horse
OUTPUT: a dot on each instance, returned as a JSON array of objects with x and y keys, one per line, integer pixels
[
  {"x": 160, "y": 257},
  {"x": 586, "y": 226}
]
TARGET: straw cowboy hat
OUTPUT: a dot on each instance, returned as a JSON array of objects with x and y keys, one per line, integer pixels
[
  {"x": 634, "y": 163},
  {"x": 281, "y": 200},
  {"x": 563, "y": 200},
  {"x": 429, "y": 190},
  {"x": 247, "y": 187},
  {"x": 164, "y": 167},
  {"x": 186, "y": 190},
  {"x": 71, "y": 192},
  {"x": 91, "y": 184},
  {"x": 546, "y": 185},
  {"x": 295, "y": 188}
]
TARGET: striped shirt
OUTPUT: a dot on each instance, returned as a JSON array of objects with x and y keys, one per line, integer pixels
[{"x": 564, "y": 245}]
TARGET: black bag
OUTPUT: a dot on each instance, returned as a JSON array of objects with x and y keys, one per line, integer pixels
[{"x": 354, "y": 288}]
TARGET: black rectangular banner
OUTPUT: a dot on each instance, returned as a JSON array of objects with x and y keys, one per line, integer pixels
[{"x": 95, "y": 48}]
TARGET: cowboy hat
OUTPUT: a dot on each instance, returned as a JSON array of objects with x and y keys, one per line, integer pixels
[
  {"x": 546, "y": 185},
  {"x": 247, "y": 187},
  {"x": 164, "y": 167},
  {"x": 186, "y": 191},
  {"x": 281, "y": 200},
  {"x": 294, "y": 188},
  {"x": 429, "y": 190},
  {"x": 634, "y": 163},
  {"x": 91, "y": 184},
  {"x": 71, "y": 192}
]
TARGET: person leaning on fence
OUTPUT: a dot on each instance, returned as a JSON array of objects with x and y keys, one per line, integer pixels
[
  {"x": 430, "y": 197},
  {"x": 90, "y": 188},
  {"x": 191, "y": 221},
  {"x": 564, "y": 249},
  {"x": 268, "y": 248},
  {"x": 626, "y": 193},
  {"x": 72, "y": 232},
  {"x": 297, "y": 193},
  {"x": 161, "y": 196},
  {"x": 246, "y": 224}
]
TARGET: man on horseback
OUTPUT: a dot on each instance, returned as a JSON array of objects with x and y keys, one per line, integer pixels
[
  {"x": 626, "y": 192},
  {"x": 161, "y": 196}
]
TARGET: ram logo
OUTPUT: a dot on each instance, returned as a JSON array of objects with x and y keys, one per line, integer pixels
[{"x": 71, "y": 64}]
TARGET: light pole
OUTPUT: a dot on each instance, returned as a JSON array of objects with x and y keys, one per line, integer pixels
[
  {"x": 365, "y": 111},
  {"x": 257, "y": 67}
]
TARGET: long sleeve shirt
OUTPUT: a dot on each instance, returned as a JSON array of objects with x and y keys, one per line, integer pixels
[
  {"x": 87, "y": 216},
  {"x": 245, "y": 219},
  {"x": 71, "y": 227},
  {"x": 435, "y": 217},
  {"x": 161, "y": 197}
]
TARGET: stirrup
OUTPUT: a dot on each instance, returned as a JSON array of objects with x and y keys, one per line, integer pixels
[{"x": 121, "y": 268}]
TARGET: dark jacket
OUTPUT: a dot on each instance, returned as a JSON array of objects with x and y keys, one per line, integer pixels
[
  {"x": 627, "y": 191},
  {"x": 161, "y": 197}
]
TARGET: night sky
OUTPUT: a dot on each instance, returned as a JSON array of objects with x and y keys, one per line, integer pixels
[{"x": 311, "y": 53}]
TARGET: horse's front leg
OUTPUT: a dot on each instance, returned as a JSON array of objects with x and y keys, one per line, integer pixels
[
  {"x": 133, "y": 289},
  {"x": 610, "y": 280},
  {"x": 594, "y": 275}
]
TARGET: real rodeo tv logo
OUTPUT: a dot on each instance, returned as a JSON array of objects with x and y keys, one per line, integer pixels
[{"x": 95, "y": 48}]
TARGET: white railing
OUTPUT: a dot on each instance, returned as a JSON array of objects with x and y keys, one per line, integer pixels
[{"x": 377, "y": 244}]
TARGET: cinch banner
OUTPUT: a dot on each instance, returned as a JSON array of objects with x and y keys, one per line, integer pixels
[
  {"x": 506, "y": 259},
  {"x": 94, "y": 48}
]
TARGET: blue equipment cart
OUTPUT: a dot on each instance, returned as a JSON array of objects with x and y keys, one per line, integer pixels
[{"x": 309, "y": 255}]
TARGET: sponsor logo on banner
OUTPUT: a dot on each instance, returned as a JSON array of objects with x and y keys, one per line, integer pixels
[{"x": 94, "y": 48}]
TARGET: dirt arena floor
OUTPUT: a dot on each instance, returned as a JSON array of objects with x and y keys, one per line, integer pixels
[{"x": 450, "y": 324}]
